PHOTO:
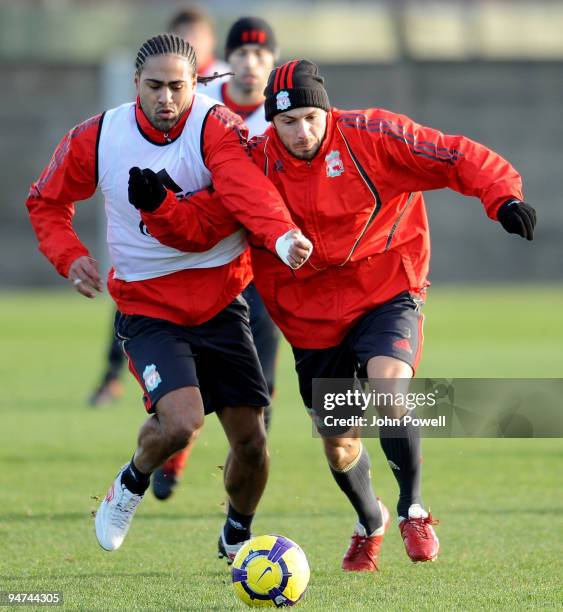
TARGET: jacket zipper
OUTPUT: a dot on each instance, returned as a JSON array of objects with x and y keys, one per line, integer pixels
[
  {"x": 397, "y": 221},
  {"x": 371, "y": 188}
]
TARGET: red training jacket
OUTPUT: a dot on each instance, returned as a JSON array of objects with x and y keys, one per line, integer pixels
[{"x": 359, "y": 201}]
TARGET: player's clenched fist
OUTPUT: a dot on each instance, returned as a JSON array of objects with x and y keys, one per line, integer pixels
[
  {"x": 146, "y": 192},
  {"x": 294, "y": 249}
]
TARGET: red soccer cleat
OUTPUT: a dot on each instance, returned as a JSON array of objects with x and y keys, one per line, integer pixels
[
  {"x": 363, "y": 551},
  {"x": 419, "y": 537}
]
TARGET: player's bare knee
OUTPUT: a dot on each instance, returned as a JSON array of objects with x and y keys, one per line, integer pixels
[
  {"x": 341, "y": 452},
  {"x": 387, "y": 407},
  {"x": 382, "y": 367},
  {"x": 392, "y": 377},
  {"x": 185, "y": 427},
  {"x": 252, "y": 448},
  {"x": 181, "y": 417},
  {"x": 177, "y": 439}
]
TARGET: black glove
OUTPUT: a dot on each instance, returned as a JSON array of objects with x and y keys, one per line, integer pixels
[
  {"x": 517, "y": 218},
  {"x": 146, "y": 192}
]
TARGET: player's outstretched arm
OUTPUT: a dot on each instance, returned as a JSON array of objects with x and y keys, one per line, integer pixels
[
  {"x": 419, "y": 158},
  {"x": 200, "y": 222},
  {"x": 193, "y": 225},
  {"x": 70, "y": 176}
]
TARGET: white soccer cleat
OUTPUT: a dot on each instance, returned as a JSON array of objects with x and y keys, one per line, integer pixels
[
  {"x": 228, "y": 551},
  {"x": 115, "y": 514}
]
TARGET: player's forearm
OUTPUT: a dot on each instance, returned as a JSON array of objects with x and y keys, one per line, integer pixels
[
  {"x": 480, "y": 172},
  {"x": 69, "y": 177},
  {"x": 253, "y": 200},
  {"x": 491, "y": 178},
  {"x": 187, "y": 226},
  {"x": 420, "y": 158},
  {"x": 53, "y": 228}
]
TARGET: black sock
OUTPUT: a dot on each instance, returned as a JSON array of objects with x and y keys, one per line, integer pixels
[
  {"x": 137, "y": 482},
  {"x": 401, "y": 445},
  {"x": 356, "y": 484},
  {"x": 237, "y": 526}
]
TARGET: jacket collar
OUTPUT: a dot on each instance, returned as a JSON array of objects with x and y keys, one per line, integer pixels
[
  {"x": 242, "y": 110},
  {"x": 282, "y": 152},
  {"x": 155, "y": 135}
]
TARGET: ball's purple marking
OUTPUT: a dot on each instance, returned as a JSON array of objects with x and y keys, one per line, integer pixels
[
  {"x": 238, "y": 575},
  {"x": 280, "y": 546},
  {"x": 279, "y": 599}
]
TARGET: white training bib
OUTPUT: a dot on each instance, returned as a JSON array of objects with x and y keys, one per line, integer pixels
[{"x": 135, "y": 254}]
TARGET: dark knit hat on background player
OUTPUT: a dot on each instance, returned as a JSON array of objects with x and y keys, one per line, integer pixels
[
  {"x": 295, "y": 84},
  {"x": 250, "y": 31}
]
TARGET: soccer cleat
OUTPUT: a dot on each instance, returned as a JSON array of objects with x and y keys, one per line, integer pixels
[
  {"x": 228, "y": 551},
  {"x": 115, "y": 514},
  {"x": 107, "y": 393},
  {"x": 363, "y": 551},
  {"x": 163, "y": 484},
  {"x": 166, "y": 478},
  {"x": 419, "y": 537}
]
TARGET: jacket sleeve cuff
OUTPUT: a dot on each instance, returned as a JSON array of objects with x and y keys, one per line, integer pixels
[
  {"x": 168, "y": 205},
  {"x": 492, "y": 209},
  {"x": 67, "y": 259},
  {"x": 271, "y": 241}
]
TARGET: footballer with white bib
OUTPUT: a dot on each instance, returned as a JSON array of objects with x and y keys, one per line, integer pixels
[{"x": 181, "y": 320}]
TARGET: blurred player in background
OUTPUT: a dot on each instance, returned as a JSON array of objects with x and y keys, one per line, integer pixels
[
  {"x": 353, "y": 180},
  {"x": 181, "y": 320},
  {"x": 251, "y": 50},
  {"x": 195, "y": 27}
]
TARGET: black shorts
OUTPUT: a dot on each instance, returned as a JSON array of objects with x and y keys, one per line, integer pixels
[
  {"x": 265, "y": 333},
  {"x": 217, "y": 356},
  {"x": 393, "y": 329}
]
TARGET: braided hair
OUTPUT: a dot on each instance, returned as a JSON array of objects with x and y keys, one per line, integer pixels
[{"x": 170, "y": 44}]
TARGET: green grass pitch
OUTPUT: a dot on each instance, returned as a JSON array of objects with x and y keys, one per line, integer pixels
[{"x": 499, "y": 501}]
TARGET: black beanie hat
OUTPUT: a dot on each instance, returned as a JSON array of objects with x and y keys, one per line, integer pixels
[
  {"x": 294, "y": 85},
  {"x": 250, "y": 31}
]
